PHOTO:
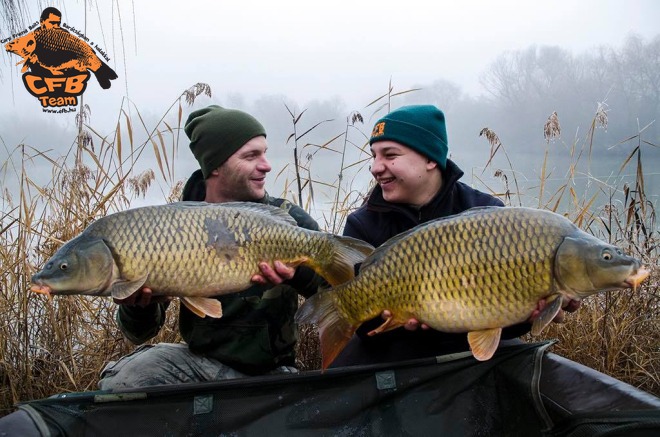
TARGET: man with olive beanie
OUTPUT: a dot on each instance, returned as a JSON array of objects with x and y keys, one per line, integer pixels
[
  {"x": 256, "y": 334},
  {"x": 415, "y": 183}
]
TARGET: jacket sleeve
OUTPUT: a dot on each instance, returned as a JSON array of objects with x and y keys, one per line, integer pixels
[
  {"x": 306, "y": 281},
  {"x": 139, "y": 324}
]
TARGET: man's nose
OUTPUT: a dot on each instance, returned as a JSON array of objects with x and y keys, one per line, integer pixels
[
  {"x": 376, "y": 167},
  {"x": 264, "y": 165}
]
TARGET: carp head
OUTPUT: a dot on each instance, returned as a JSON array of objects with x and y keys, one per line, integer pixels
[
  {"x": 585, "y": 265},
  {"x": 82, "y": 266}
]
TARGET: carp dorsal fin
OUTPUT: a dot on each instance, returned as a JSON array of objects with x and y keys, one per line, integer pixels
[
  {"x": 548, "y": 314},
  {"x": 383, "y": 248},
  {"x": 272, "y": 211},
  {"x": 120, "y": 290},
  {"x": 484, "y": 343},
  {"x": 203, "y": 306}
]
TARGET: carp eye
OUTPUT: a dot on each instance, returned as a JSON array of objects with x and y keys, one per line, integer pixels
[
  {"x": 607, "y": 256},
  {"x": 64, "y": 266}
]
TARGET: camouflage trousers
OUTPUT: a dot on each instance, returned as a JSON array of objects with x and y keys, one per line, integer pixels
[{"x": 167, "y": 363}]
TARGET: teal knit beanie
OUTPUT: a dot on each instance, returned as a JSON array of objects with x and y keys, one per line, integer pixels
[
  {"x": 420, "y": 127},
  {"x": 216, "y": 133}
]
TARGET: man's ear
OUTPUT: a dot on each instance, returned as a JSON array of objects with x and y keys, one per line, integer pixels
[
  {"x": 215, "y": 172},
  {"x": 431, "y": 165}
]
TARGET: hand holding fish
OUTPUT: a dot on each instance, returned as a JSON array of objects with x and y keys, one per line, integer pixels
[{"x": 275, "y": 274}]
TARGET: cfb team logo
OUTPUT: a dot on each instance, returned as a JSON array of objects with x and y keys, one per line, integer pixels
[{"x": 59, "y": 62}]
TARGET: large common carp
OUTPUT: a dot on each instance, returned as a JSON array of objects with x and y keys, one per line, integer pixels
[
  {"x": 475, "y": 272},
  {"x": 193, "y": 250}
]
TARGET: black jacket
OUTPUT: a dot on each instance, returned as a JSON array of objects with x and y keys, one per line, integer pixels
[{"x": 377, "y": 221}]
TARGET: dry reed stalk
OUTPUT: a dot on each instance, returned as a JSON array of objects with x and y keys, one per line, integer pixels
[{"x": 496, "y": 145}]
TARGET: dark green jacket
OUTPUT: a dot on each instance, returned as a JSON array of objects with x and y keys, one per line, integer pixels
[{"x": 256, "y": 332}]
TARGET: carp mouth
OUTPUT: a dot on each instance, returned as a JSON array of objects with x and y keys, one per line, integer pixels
[
  {"x": 42, "y": 289},
  {"x": 637, "y": 278}
]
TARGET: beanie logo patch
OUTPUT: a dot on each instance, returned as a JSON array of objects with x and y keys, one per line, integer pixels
[{"x": 379, "y": 129}]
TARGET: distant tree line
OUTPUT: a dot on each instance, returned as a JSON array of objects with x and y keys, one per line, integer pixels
[{"x": 525, "y": 86}]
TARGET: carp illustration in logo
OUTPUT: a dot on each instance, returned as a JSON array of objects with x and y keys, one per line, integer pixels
[
  {"x": 57, "y": 50},
  {"x": 58, "y": 61}
]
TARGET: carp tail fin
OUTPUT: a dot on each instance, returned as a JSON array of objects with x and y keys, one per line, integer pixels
[
  {"x": 340, "y": 267},
  {"x": 334, "y": 330},
  {"x": 104, "y": 75}
]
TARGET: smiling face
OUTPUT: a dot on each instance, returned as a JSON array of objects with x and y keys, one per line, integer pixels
[
  {"x": 404, "y": 175},
  {"x": 243, "y": 176}
]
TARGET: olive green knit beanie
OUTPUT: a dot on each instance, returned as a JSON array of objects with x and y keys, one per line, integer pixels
[
  {"x": 420, "y": 127},
  {"x": 216, "y": 133}
]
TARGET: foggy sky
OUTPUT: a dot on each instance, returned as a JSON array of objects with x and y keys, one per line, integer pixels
[{"x": 342, "y": 54}]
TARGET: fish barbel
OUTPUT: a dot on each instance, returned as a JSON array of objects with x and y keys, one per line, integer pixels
[
  {"x": 193, "y": 250},
  {"x": 475, "y": 272}
]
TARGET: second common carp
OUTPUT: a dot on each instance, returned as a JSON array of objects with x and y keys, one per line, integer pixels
[
  {"x": 475, "y": 272},
  {"x": 193, "y": 250}
]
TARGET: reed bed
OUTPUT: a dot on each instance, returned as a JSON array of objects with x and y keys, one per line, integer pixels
[{"x": 49, "y": 347}]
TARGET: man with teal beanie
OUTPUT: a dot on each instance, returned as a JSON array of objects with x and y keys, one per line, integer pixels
[
  {"x": 256, "y": 334},
  {"x": 415, "y": 182}
]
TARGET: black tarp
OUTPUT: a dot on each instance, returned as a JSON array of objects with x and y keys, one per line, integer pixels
[{"x": 521, "y": 391}]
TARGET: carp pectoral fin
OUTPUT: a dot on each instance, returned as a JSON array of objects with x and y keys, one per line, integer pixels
[
  {"x": 389, "y": 324},
  {"x": 203, "y": 306},
  {"x": 547, "y": 315},
  {"x": 484, "y": 343},
  {"x": 120, "y": 290},
  {"x": 296, "y": 262}
]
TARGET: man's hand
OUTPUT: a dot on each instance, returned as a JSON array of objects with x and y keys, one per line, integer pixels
[
  {"x": 275, "y": 274},
  {"x": 567, "y": 306},
  {"x": 142, "y": 298}
]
